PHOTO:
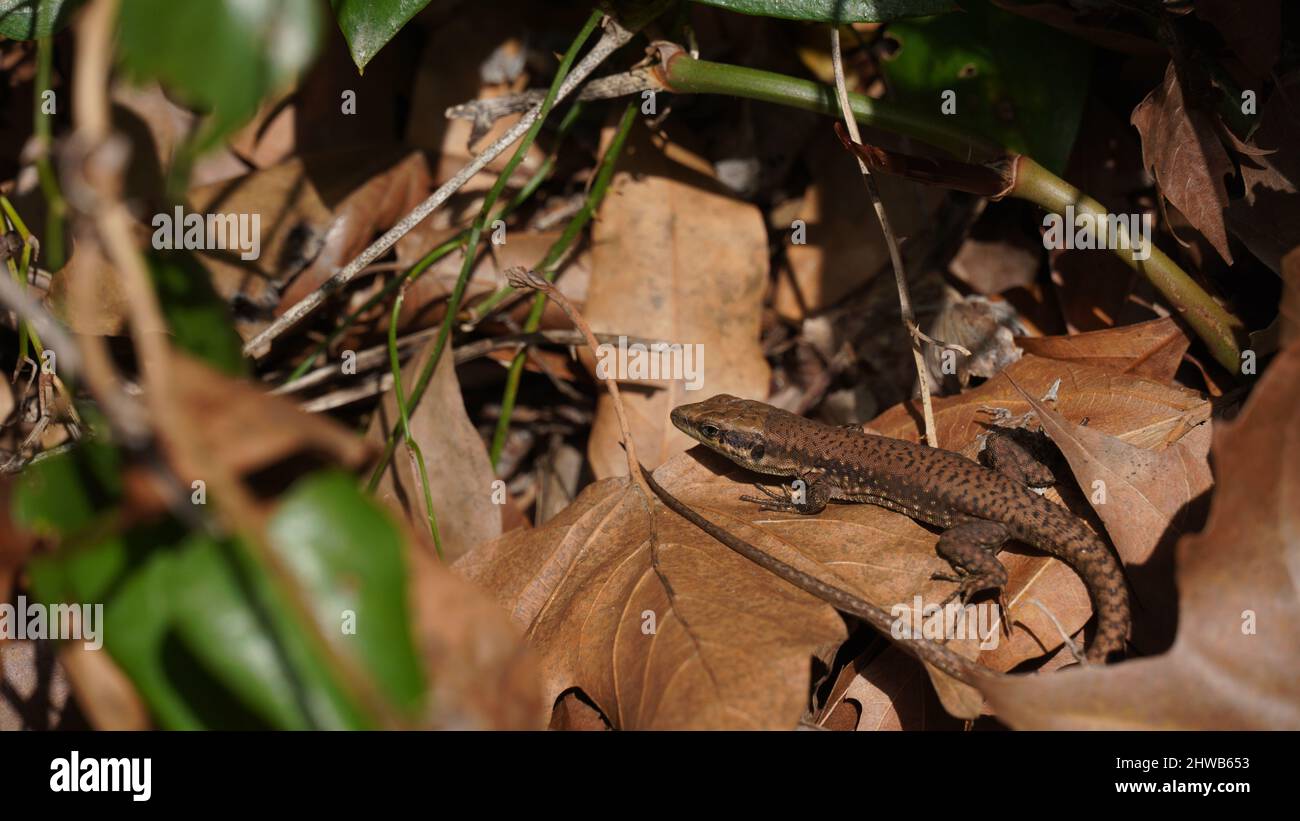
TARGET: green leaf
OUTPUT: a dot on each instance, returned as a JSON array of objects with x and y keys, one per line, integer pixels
[
  {"x": 837, "y": 11},
  {"x": 198, "y": 624},
  {"x": 31, "y": 19},
  {"x": 1015, "y": 81},
  {"x": 229, "y": 614},
  {"x": 196, "y": 315},
  {"x": 368, "y": 25},
  {"x": 220, "y": 56},
  {"x": 65, "y": 493},
  {"x": 349, "y": 558},
  {"x": 132, "y": 576}
]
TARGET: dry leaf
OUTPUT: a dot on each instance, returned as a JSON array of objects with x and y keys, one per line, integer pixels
[
  {"x": 249, "y": 429},
  {"x": 1182, "y": 149},
  {"x": 1140, "y": 411},
  {"x": 460, "y": 475},
  {"x": 481, "y": 675},
  {"x": 1146, "y": 498},
  {"x": 1234, "y": 664},
  {"x": 1267, "y": 217},
  {"x": 1152, "y": 349},
  {"x": 844, "y": 246},
  {"x": 675, "y": 258},
  {"x": 656, "y": 623},
  {"x": 884, "y": 692}
]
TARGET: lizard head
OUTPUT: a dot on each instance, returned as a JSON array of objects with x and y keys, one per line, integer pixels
[{"x": 731, "y": 426}]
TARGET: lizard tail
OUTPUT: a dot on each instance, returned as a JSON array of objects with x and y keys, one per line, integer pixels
[{"x": 1088, "y": 555}]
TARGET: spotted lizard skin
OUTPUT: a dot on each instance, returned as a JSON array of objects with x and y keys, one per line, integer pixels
[{"x": 977, "y": 507}]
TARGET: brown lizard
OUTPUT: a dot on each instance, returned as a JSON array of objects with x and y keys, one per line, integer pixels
[{"x": 978, "y": 508}]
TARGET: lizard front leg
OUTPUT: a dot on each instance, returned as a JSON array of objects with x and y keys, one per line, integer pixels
[{"x": 817, "y": 493}]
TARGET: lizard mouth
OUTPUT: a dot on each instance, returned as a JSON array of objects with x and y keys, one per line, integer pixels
[{"x": 679, "y": 420}]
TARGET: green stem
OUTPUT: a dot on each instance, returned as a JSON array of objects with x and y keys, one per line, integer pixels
[
  {"x": 395, "y": 365},
  {"x": 1214, "y": 325},
  {"x": 56, "y": 207},
  {"x": 19, "y": 271},
  {"x": 414, "y": 272},
  {"x": 547, "y": 268},
  {"x": 471, "y": 246},
  {"x": 690, "y": 76},
  {"x": 1218, "y": 328}
]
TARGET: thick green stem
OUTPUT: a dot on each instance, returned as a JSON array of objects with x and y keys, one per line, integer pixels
[
  {"x": 1214, "y": 325},
  {"x": 690, "y": 76}
]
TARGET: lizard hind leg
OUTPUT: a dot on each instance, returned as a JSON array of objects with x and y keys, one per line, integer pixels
[{"x": 969, "y": 547}]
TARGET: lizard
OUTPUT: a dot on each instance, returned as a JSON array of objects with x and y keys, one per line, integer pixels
[{"x": 977, "y": 507}]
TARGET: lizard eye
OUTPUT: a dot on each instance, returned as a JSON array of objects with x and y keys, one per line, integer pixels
[
  {"x": 757, "y": 453},
  {"x": 709, "y": 431}
]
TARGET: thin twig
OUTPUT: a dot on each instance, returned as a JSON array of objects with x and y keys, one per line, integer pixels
[
  {"x": 484, "y": 112},
  {"x": 374, "y": 357},
  {"x": 900, "y": 275},
  {"x": 1074, "y": 648},
  {"x": 520, "y": 277},
  {"x": 613, "y": 38}
]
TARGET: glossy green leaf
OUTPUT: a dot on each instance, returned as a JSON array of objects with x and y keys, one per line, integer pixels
[
  {"x": 349, "y": 558},
  {"x": 30, "y": 19},
  {"x": 133, "y": 577},
  {"x": 1012, "y": 80},
  {"x": 197, "y": 623},
  {"x": 220, "y": 56},
  {"x": 841, "y": 11},
  {"x": 368, "y": 25},
  {"x": 197, "y": 316},
  {"x": 232, "y": 618}
]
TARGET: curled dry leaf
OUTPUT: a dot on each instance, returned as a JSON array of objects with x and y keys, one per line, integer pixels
[
  {"x": 1152, "y": 349},
  {"x": 1267, "y": 217},
  {"x": 1234, "y": 663},
  {"x": 1148, "y": 499},
  {"x": 460, "y": 475},
  {"x": 659, "y": 275},
  {"x": 1181, "y": 147}
]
